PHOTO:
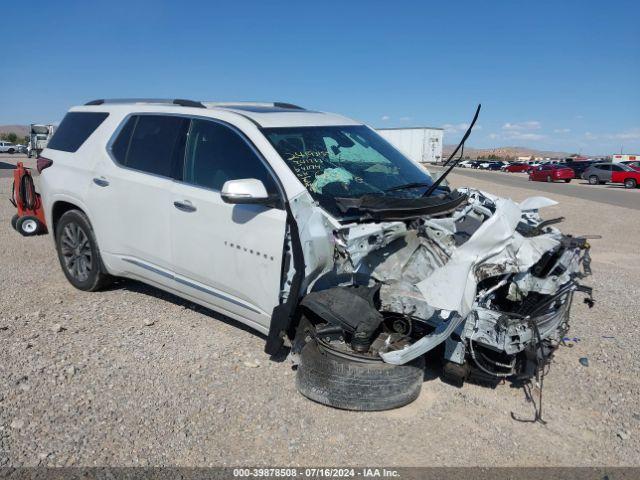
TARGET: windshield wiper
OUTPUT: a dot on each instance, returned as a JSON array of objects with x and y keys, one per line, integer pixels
[
  {"x": 405, "y": 186},
  {"x": 437, "y": 183}
]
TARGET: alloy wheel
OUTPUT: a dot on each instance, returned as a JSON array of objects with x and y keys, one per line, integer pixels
[{"x": 76, "y": 251}]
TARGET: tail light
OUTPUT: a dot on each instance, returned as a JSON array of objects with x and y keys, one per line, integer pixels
[{"x": 42, "y": 163}]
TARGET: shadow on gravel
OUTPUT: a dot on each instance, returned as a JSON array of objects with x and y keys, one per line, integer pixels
[
  {"x": 6, "y": 166},
  {"x": 139, "y": 287}
]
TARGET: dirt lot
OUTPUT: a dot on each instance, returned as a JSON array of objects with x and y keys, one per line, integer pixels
[{"x": 85, "y": 380}]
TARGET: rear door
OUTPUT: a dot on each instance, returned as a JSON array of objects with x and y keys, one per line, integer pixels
[
  {"x": 132, "y": 191},
  {"x": 604, "y": 172},
  {"x": 229, "y": 256}
]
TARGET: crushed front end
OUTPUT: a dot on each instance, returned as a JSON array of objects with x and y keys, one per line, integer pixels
[{"x": 486, "y": 280}]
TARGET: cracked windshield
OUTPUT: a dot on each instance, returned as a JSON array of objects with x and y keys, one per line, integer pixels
[{"x": 349, "y": 161}]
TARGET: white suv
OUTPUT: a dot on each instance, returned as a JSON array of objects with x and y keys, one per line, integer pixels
[{"x": 312, "y": 229}]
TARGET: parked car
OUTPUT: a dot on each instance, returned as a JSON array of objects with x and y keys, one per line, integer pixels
[
  {"x": 494, "y": 166},
  {"x": 578, "y": 167},
  {"x": 628, "y": 176},
  {"x": 551, "y": 173},
  {"x": 465, "y": 164},
  {"x": 601, "y": 173},
  {"x": 517, "y": 167},
  {"x": 8, "y": 147},
  {"x": 273, "y": 215},
  {"x": 631, "y": 163}
]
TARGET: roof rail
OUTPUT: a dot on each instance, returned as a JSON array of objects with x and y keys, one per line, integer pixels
[
  {"x": 289, "y": 106},
  {"x": 177, "y": 101}
]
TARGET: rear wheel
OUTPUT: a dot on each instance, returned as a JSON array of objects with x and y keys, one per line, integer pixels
[
  {"x": 14, "y": 221},
  {"x": 339, "y": 382},
  {"x": 593, "y": 180},
  {"x": 549, "y": 179},
  {"x": 78, "y": 252},
  {"x": 630, "y": 183},
  {"x": 567, "y": 180}
]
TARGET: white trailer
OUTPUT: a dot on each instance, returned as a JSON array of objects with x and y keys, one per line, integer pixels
[
  {"x": 420, "y": 144},
  {"x": 39, "y": 136}
]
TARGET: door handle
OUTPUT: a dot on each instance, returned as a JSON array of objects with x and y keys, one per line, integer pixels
[
  {"x": 101, "y": 182},
  {"x": 185, "y": 206}
]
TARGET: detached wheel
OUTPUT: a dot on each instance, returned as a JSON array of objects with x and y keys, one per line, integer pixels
[
  {"x": 593, "y": 180},
  {"x": 630, "y": 183},
  {"x": 350, "y": 385},
  {"x": 28, "y": 226},
  {"x": 78, "y": 252}
]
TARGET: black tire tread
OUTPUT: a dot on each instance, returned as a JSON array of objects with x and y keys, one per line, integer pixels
[
  {"x": 99, "y": 278},
  {"x": 348, "y": 385}
]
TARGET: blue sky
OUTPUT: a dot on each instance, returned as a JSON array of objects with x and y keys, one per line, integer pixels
[{"x": 550, "y": 74}]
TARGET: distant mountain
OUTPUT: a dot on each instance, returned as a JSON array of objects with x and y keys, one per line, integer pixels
[
  {"x": 20, "y": 130},
  {"x": 504, "y": 152}
]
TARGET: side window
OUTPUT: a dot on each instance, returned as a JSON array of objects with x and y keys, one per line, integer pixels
[
  {"x": 120, "y": 146},
  {"x": 617, "y": 168},
  {"x": 152, "y": 144},
  {"x": 216, "y": 153},
  {"x": 74, "y": 130}
]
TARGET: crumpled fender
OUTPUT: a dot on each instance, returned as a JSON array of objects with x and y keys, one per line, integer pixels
[{"x": 453, "y": 286}]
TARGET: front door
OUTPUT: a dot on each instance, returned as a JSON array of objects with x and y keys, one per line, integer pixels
[{"x": 229, "y": 256}]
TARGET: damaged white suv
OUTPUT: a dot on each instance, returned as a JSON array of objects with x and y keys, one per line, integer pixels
[{"x": 312, "y": 229}]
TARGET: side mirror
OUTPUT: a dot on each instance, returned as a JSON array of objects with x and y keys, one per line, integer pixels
[{"x": 245, "y": 191}]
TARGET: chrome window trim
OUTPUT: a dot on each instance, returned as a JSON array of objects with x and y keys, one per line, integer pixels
[{"x": 236, "y": 130}]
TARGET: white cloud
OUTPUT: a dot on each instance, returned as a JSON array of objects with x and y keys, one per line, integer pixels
[
  {"x": 562, "y": 130},
  {"x": 521, "y": 126},
  {"x": 458, "y": 127},
  {"x": 494, "y": 136},
  {"x": 525, "y": 136},
  {"x": 631, "y": 134},
  {"x": 384, "y": 118}
]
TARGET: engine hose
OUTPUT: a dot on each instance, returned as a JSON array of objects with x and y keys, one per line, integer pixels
[
  {"x": 27, "y": 192},
  {"x": 481, "y": 367}
]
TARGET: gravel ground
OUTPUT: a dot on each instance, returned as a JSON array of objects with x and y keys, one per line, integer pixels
[{"x": 134, "y": 376}]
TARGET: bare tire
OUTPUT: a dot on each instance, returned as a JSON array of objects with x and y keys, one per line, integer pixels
[
  {"x": 350, "y": 385},
  {"x": 593, "y": 180},
  {"x": 630, "y": 183},
  {"x": 28, "y": 226},
  {"x": 14, "y": 221},
  {"x": 78, "y": 252}
]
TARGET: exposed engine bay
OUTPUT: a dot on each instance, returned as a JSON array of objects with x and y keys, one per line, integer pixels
[{"x": 487, "y": 280}]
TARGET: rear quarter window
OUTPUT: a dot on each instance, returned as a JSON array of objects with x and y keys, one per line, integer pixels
[{"x": 74, "y": 130}]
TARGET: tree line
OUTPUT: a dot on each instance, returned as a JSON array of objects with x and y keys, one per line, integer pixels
[{"x": 13, "y": 137}]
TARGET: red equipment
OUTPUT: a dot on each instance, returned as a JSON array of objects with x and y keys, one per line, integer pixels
[{"x": 30, "y": 217}]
